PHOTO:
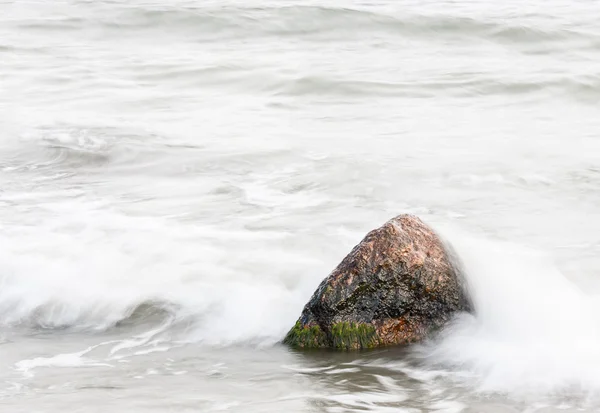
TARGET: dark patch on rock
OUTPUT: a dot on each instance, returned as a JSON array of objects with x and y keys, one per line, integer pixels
[{"x": 395, "y": 287}]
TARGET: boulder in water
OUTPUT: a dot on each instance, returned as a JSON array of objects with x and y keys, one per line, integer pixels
[{"x": 395, "y": 287}]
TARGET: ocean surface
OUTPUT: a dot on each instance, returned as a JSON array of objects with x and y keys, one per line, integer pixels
[{"x": 177, "y": 177}]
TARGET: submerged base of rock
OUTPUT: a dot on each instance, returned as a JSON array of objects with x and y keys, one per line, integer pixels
[{"x": 395, "y": 287}]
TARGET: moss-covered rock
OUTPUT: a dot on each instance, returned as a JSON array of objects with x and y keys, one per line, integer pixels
[
  {"x": 353, "y": 336},
  {"x": 343, "y": 336},
  {"x": 306, "y": 337},
  {"x": 395, "y": 287}
]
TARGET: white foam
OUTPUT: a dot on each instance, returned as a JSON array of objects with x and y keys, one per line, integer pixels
[
  {"x": 366, "y": 399},
  {"x": 534, "y": 331},
  {"x": 76, "y": 359},
  {"x": 52, "y": 278}
]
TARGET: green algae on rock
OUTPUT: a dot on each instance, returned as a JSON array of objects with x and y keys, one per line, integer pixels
[
  {"x": 396, "y": 286},
  {"x": 353, "y": 336},
  {"x": 305, "y": 336},
  {"x": 344, "y": 336}
]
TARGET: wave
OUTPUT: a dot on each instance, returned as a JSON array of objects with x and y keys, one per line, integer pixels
[
  {"x": 59, "y": 314},
  {"x": 582, "y": 88},
  {"x": 84, "y": 266},
  {"x": 535, "y": 331},
  {"x": 65, "y": 149},
  {"x": 223, "y": 21}
]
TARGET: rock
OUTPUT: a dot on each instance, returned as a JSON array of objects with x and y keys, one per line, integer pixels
[{"x": 395, "y": 287}]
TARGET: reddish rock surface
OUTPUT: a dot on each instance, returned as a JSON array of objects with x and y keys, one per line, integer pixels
[{"x": 395, "y": 287}]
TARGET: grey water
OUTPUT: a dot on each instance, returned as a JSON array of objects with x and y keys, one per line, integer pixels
[{"x": 176, "y": 177}]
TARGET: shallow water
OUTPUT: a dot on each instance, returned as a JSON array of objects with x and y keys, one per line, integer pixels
[{"x": 177, "y": 177}]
